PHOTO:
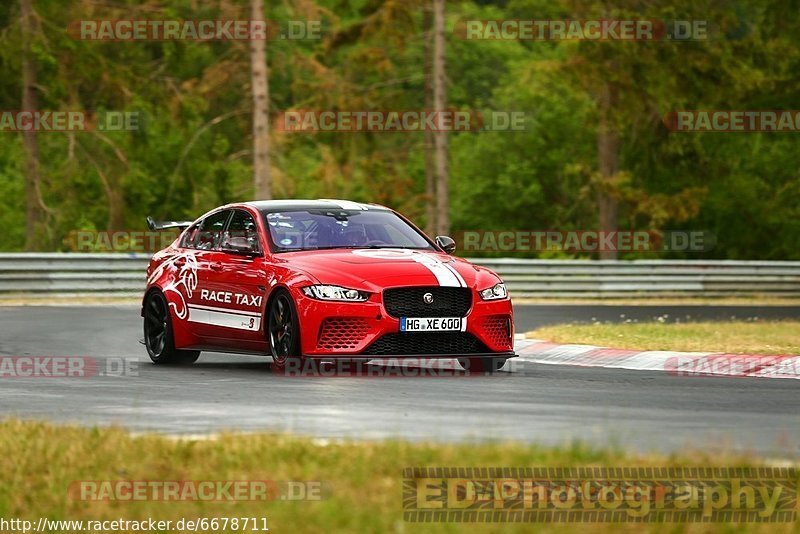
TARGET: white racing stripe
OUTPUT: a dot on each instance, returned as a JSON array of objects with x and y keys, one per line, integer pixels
[
  {"x": 225, "y": 310},
  {"x": 240, "y": 320},
  {"x": 455, "y": 272},
  {"x": 444, "y": 275},
  {"x": 346, "y": 204}
]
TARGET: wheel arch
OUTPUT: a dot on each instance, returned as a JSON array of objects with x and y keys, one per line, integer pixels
[
  {"x": 182, "y": 336},
  {"x": 150, "y": 290},
  {"x": 274, "y": 292}
]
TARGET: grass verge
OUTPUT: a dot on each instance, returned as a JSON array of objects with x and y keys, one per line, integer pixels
[
  {"x": 39, "y": 461},
  {"x": 735, "y": 337}
]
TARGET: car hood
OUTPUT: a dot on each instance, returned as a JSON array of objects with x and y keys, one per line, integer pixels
[{"x": 376, "y": 269}]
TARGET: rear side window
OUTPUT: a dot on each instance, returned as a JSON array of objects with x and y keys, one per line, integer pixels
[
  {"x": 207, "y": 234},
  {"x": 190, "y": 235}
]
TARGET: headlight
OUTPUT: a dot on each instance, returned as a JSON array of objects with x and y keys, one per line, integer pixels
[
  {"x": 495, "y": 293},
  {"x": 323, "y": 292}
]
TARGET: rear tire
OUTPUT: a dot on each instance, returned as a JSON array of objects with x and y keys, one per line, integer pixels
[
  {"x": 482, "y": 365},
  {"x": 158, "y": 334}
]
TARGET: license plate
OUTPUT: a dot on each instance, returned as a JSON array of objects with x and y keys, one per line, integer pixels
[{"x": 431, "y": 324}]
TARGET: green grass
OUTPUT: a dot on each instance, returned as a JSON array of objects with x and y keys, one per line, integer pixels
[
  {"x": 735, "y": 337},
  {"x": 363, "y": 479}
]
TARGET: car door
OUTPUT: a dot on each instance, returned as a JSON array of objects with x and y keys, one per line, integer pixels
[
  {"x": 236, "y": 285},
  {"x": 202, "y": 243}
]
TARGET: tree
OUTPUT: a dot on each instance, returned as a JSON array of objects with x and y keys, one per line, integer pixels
[
  {"x": 430, "y": 166},
  {"x": 430, "y": 144},
  {"x": 607, "y": 158},
  {"x": 262, "y": 175},
  {"x": 30, "y": 102},
  {"x": 593, "y": 144},
  {"x": 440, "y": 105}
]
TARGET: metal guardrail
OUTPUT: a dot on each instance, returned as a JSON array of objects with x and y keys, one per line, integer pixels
[
  {"x": 647, "y": 278},
  {"x": 59, "y": 274},
  {"x": 62, "y": 274}
]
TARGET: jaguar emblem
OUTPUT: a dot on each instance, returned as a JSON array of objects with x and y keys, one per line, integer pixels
[{"x": 427, "y": 298}]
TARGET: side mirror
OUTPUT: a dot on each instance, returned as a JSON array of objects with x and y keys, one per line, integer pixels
[
  {"x": 239, "y": 245},
  {"x": 447, "y": 243}
]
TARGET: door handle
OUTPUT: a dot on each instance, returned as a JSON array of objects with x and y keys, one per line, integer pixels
[{"x": 217, "y": 266}]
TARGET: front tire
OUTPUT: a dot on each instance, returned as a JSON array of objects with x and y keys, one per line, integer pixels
[
  {"x": 158, "y": 334},
  {"x": 283, "y": 330},
  {"x": 482, "y": 365}
]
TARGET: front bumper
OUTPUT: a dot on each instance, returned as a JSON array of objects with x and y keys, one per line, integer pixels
[
  {"x": 504, "y": 355},
  {"x": 365, "y": 329}
]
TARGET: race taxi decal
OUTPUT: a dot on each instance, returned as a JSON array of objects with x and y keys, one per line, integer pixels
[
  {"x": 225, "y": 316},
  {"x": 182, "y": 287},
  {"x": 227, "y": 297}
]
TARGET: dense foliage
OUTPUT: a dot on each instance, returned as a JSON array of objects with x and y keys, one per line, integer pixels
[{"x": 194, "y": 151}]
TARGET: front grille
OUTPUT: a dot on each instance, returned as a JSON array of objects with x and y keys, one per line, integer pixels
[
  {"x": 426, "y": 343},
  {"x": 497, "y": 329},
  {"x": 342, "y": 333},
  {"x": 447, "y": 301}
]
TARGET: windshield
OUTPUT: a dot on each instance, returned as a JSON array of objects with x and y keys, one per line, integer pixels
[{"x": 347, "y": 229}]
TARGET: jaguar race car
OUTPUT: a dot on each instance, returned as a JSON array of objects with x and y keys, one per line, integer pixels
[{"x": 322, "y": 280}]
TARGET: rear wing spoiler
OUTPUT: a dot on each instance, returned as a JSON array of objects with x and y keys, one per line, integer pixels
[{"x": 154, "y": 225}]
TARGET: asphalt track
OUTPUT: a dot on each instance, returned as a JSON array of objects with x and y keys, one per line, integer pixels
[{"x": 546, "y": 404}]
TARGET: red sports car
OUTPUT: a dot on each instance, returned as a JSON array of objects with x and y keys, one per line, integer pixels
[{"x": 321, "y": 279}]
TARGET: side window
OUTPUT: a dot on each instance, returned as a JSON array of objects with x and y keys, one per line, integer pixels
[
  {"x": 190, "y": 236},
  {"x": 243, "y": 225},
  {"x": 210, "y": 234}
]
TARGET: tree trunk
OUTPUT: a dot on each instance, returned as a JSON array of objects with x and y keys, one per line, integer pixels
[
  {"x": 440, "y": 105},
  {"x": 430, "y": 166},
  {"x": 608, "y": 163},
  {"x": 116, "y": 207},
  {"x": 262, "y": 176},
  {"x": 30, "y": 102}
]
